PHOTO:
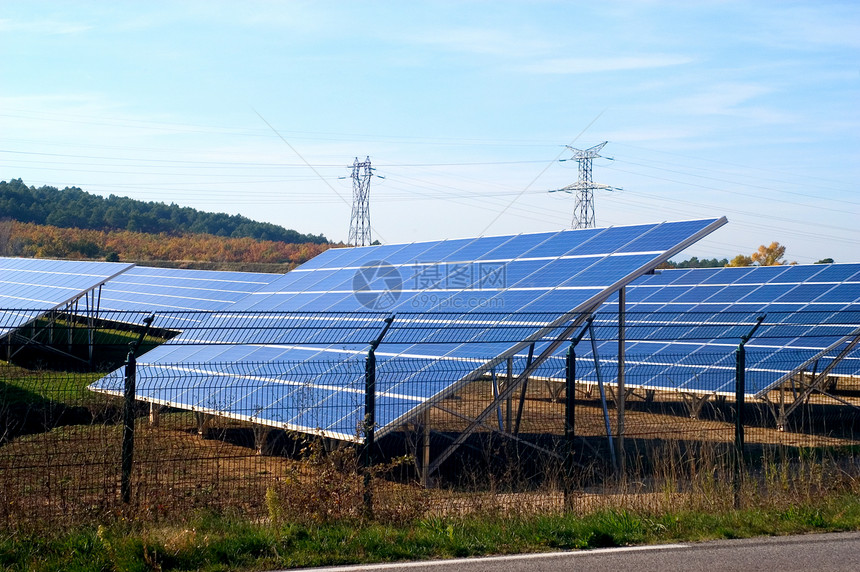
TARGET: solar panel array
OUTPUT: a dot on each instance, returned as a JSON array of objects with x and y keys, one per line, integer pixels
[
  {"x": 176, "y": 289},
  {"x": 685, "y": 324},
  {"x": 32, "y": 287},
  {"x": 558, "y": 275},
  {"x": 176, "y": 294}
]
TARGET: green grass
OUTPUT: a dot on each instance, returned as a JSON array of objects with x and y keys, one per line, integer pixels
[
  {"x": 217, "y": 543},
  {"x": 33, "y": 387},
  {"x": 111, "y": 346}
]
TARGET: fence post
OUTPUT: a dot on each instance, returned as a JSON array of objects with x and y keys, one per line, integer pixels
[
  {"x": 740, "y": 403},
  {"x": 128, "y": 427},
  {"x": 570, "y": 413},
  {"x": 740, "y": 406},
  {"x": 370, "y": 416},
  {"x": 129, "y": 395},
  {"x": 369, "y": 427},
  {"x": 569, "y": 418}
]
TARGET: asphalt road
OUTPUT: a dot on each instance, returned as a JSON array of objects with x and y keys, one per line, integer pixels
[{"x": 817, "y": 552}]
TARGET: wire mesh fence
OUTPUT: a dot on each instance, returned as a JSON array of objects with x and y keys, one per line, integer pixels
[{"x": 287, "y": 438}]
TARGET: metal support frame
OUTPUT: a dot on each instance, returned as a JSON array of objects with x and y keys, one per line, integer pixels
[
  {"x": 425, "y": 446},
  {"x": 92, "y": 306},
  {"x": 261, "y": 438},
  {"x": 603, "y": 403},
  {"x": 154, "y": 414},
  {"x": 695, "y": 402},
  {"x": 510, "y": 436},
  {"x": 525, "y": 387},
  {"x": 202, "y": 420},
  {"x": 495, "y": 383},
  {"x": 25, "y": 342},
  {"x": 819, "y": 380},
  {"x": 509, "y": 390}
]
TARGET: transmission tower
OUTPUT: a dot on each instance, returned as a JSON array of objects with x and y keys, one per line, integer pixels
[
  {"x": 359, "y": 224},
  {"x": 583, "y": 209}
]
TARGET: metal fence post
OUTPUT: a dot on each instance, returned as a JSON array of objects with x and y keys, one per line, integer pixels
[
  {"x": 369, "y": 427},
  {"x": 740, "y": 403},
  {"x": 570, "y": 413},
  {"x": 128, "y": 427},
  {"x": 740, "y": 406},
  {"x": 569, "y": 418},
  {"x": 370, "y": 416},
  {"x": 129, "y": 395}
]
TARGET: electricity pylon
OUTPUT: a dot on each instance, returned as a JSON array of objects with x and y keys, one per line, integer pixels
[
  {"x": 359, "y": 224},
  {"x": 583, "y": 209}
]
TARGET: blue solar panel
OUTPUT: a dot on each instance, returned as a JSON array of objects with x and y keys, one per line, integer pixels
[
  {"x": 30, "y": 287},
  {"x": 838, "y": 273},
  {"x": 153, "y": 289},
  {"x": 809, "y": 308},
  {"x": 521, "y": 246},
  {"x": 757, "y": 275},
  {"x": 465, "y": 276}
]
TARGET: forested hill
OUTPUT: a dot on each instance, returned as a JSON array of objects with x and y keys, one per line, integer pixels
[{"x": 73, "y": 208}]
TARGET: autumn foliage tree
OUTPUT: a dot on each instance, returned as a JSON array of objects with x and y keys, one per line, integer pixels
[
  {"x": 740, "y": 260},
  {"x": 43, "y": 241},
  {"x": 771, "y": 255}
]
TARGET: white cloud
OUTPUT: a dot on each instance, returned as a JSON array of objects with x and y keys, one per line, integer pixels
[
  {"x": 719, "y": 99},
  {"x": 814, "y": 26},
  {"x": 480, "y": 41},
  {"x": 567, "y": 66},
  {"x": 43, "y": 27}
]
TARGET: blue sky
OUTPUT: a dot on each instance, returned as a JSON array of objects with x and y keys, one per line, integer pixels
[{"x": 743, "y": 109}]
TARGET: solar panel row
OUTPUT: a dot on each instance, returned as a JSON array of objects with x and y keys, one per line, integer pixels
[
  {"x": 453, "y": 292},
  {"x": 175, "y": 289},
  {"x": 31, "y": 287},
  {"x": 683, "y": 325},
  {"x": 560, "y": 274}
]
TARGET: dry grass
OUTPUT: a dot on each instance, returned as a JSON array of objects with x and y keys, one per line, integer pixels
[
  {"x": 71, "y": 473},
  {"x": 660, "y": 416}
]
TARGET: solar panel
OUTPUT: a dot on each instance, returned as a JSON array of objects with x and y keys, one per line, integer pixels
[
  {"x": 31, "y": 287},
  {"x": 144, "y": 290},
  {"x": 487, "y": 283},
  {"x": 809, "y": 308}
]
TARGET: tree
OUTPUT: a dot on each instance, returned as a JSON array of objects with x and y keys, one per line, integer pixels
[
  {"x": 825, "y": 261},
  {"x": 73, "y": 208},
  {"x": 694, "y": 262},
  {"x": 769, "y": 255},
  {"x": 740, "y": 260},
  {"x": 5, "y": 236}
]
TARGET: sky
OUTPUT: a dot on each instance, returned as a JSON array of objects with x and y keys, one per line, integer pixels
[{"x": 749, "y": 110}]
